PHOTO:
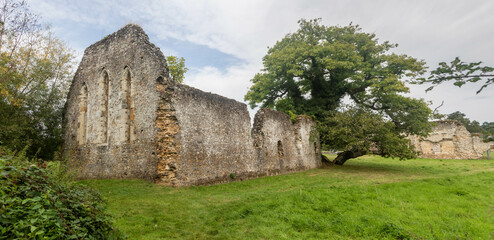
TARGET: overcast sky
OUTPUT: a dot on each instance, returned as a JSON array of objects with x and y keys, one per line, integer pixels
[{"x": 223, "y": 42}]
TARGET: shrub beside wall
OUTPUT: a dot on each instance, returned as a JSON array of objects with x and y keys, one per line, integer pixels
[{"x": 35, "y": 204}]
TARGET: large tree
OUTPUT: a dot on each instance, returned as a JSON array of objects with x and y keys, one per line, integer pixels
[
  {"x": 35, "y": 71},
  {"x": 311, "y": 70}
]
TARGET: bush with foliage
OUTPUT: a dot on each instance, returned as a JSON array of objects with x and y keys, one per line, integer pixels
[
  {"x": 177, "y": 68},
  {"x": 35, "y": 204},
  {"x": 356, "y": 132},
  {"x": 35, "y": 73}
]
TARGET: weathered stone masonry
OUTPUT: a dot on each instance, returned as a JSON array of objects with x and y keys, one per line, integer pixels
[
  {"x": 125, "y": 118},
  {"x": 450, "y": 140}
]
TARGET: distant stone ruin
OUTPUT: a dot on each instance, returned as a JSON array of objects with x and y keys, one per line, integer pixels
[
  {"x": 450, "y": 140},
  {"x": 125, "y": 118}
]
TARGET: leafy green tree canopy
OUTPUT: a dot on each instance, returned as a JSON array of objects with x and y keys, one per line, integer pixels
[
  {"x": 357, "y": 131},
  {"x": 311, "y": 70},
  {"x": 177, "y": 68},
  {"x": 460, "y": 73},
  {"x": 460, "y": 117},
  {"x": 35, "y": 72},
  {"x": 486, "y": 129}
]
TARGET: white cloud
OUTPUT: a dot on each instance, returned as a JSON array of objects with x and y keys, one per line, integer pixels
[
  {"x": 232, "y": 83},
  {"x": 426, "y": 29}
]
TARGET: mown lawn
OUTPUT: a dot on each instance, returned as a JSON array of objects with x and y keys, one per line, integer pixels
[{"x": 368, "y": 198}]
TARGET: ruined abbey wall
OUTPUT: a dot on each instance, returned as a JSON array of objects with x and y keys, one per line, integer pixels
[
  {"x": 307, "y": 142},
  {"x": 450, "y": 140},
  {"x": 111, "y": 107},
  {"x": 214, "y": 136},
  {"x": 125, "y": 118},
  {"x": 283, "y": 146}
]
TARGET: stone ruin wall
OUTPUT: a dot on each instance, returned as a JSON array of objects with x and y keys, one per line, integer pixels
[
  {"x": 274, "y": 141},
  {"x": 109, "y": 128},
  {"x": 209, "y": 139},
  {"x": 282, "y": 146},
  {"x": 213, "y": 137},
  {"x": 126, "y": 119},
  {"x": 307, "y": 143},
  {"x": 450, "y": 140}
]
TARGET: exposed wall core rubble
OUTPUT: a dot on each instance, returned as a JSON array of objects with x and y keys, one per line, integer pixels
[
  {"x": 450, "y": 140},
  {"x": 125, "y": 118}
]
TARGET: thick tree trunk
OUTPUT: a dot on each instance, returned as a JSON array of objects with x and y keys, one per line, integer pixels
[{"x": 344, "y": 156}]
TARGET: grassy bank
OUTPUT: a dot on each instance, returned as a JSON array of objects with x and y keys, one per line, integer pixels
[{"x": 369, "y": 197}]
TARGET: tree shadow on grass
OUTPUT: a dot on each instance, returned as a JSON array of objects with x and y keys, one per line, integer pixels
[{"x": 383, "y": 169}]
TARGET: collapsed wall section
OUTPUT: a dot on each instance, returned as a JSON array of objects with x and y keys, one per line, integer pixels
[
  {"x": 168, "y": 139},
  {"x": 450, "y": 140},
  {"x": 479, "y": 146}
]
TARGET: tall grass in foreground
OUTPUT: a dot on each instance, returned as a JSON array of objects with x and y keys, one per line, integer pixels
[{"x": 368, "y": 198}]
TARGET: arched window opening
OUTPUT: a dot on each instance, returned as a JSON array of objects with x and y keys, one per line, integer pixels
[{"x": 82, "y": 115}]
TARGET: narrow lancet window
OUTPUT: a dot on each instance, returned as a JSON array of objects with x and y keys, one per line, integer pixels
[
  {"x": 127, "y": 113},
  {"x": 82, "y": 117},
  {"x": 103, "y": 99}
]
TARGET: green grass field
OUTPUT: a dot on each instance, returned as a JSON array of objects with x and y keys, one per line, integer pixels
[{"x": 367, "y": 198}]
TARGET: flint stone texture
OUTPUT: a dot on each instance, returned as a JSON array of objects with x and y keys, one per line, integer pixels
[
  {"x": 450, "y": 140},
  {"x": 282, "y": 146},
  {"x": 125, "y": 118}
]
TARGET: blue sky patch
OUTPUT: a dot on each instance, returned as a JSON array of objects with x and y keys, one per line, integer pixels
[{"x": 196, "y": 56}]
